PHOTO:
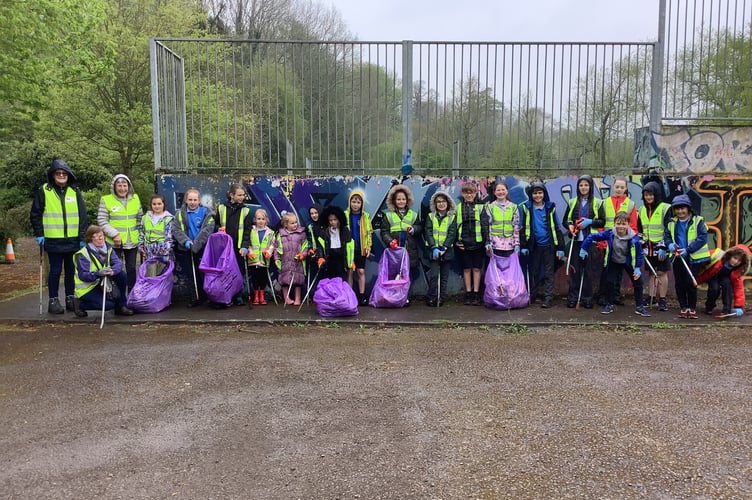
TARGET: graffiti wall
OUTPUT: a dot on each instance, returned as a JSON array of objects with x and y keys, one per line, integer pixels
[
  {"x": 724, "y": 201},
  {"x": 702, "y": 150}
]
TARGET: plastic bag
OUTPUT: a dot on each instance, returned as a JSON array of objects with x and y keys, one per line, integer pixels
[
  {"x": 222, "y": 278},
  {"x": 505, "y": 283},
  {"x": 393, "y": 281},
  {"x": 152, "y": 294},
  {"x": 334, "y": 297}
]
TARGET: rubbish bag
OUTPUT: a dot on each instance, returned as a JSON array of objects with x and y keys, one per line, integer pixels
[
  {"x": 505, "y": 283},
  {"x": 393, "y": 281},
  {"x": 153, "y": 290},
  {"x": 334, "y": 297},
  {"x": 222, "y": 278}
]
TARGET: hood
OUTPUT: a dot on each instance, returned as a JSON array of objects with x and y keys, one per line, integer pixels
[
  {"x": 682, "y": 200},
  {"x": 538, "y": 185},
  {"x": 319, "y": 208},
  {"x": 451, "y": 205},
  {"x": 747, "y": 260},
  {"x": 655, "y": 188},
  {"x": 333, "y": 209},
  {"x": 589, "y": 180},
  {"x": 396, "y": 189},
  {"x": 131, "y": 191},
  {"x": 58, "y": 164},
  {"x": 630, "y": 234},
  {"x": 362, "y": 197}
]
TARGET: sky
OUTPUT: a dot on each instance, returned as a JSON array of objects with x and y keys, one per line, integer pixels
[{"x": 501, "y": 20}]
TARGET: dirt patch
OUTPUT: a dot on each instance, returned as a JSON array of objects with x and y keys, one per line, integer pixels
[{"x": 23, "y": 275}]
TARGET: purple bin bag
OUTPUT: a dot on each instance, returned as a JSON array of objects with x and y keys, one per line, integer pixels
[
  {"x": 222, "y": 278},
  {"x": 152, "y": 294},
  {"x": 393, "y": 281},
  {"x": 334, "y": 298},
  {"x": 505, "y": 283}
]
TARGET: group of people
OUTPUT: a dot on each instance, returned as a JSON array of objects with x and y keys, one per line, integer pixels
[{"x": 658, "y": 238}]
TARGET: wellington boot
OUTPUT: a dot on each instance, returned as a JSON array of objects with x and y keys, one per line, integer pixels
[
  {"x": 77, "y": 308},
  {"x": 256, "y": 297}
]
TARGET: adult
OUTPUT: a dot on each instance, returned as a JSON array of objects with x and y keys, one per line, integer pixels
[
  {"x": 119, "y": 216},
  {"x": 58, "y": 218}
]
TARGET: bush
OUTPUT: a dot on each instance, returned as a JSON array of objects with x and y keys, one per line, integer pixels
[{"x": 15, "y": 222}]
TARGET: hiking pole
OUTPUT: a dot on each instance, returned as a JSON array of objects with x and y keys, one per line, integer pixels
[
  {"x": 271, "y": 286},
  {"x": 41, "y": 278},
  {"x": 689, "y": 271},
  {"x": 104, "y": 300},
  {"x": 313, "y": 283}
]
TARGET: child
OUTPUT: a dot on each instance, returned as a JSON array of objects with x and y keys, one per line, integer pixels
[
  {"x": 503, "y": 223},
  {"x": 94, "y": 262},
  {"x": 336, "y": 247},
  {"x": 191, "y": 228},
  {"x": 260, "y": 250},
  {"x": 441, "y": 234},
  {"x": 119, "y": 215},
  {"x": 623, "y": 253},
  {"x": 472, "y": 231},
  {"x": 540, "y": 237},
  {"x": 155, "y": 231},
  {"x": 400, "y": 225},
  {"x": 292, "y": 249},
  {"x": 359, "y": 223},
  {"x": 687, "y": 239},
  {"x": 724, "y": 274},
  {"x": 651, "y": 224},
  {"x": 58, "y": 217},
  {"x": 584, "y": 214},
  {"x": 233, "y": 217},
  {"x": 618, "y": 202},
  {"x": 312, "y": 234}
]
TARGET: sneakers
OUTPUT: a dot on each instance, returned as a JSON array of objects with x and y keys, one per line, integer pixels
[
  {"x": 662, "y": 304},
  {"x": 725, "y": 314},
  {"x": 69, "y": 304},
  {"x": 691, "y": 314},
  {"x": 684, "y": 313},
  {"x": 607, "y": 309},
  {"x": 547, "y": 303},
  {"x": 642, "y": 311},
  {"x": 431, "y": 302},
  {"x": 468, "y": 299},
  {"x": 123, "y": 311},
  {"x": 55, "y": 307},
  {"x": 571, "y": 304},
  {"x": 476, "y": 299}
]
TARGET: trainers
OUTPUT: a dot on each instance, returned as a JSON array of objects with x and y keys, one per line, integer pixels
[
  {"x": 476, "y": 299},
  {"x": 588, "y": 304},
  {"x": 123, "y": 311},
  {"x": 55, "y": 307},
  {"x": 683, "y": 313},
  {"x": 642, "y": 311},
  {"x": 468, "y": 298},
  {"x": 431, "y": 302},
  {"x": 69, "y": 305},
  {"x": 662, "y": 304},
  {"x": 547, "y": 303},
  {"x": 607, "y": 309},
  {"x": 571, "y": 305},
  {"x": 691, "y": 314}
]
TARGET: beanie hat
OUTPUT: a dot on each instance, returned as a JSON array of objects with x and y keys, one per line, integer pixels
[{"x": 681, "y": 201}]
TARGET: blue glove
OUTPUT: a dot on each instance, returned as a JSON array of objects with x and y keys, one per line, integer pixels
[
  {"x": 517, "y": 249},
  {"x": 81, "y": 244},
  {"x": 661, "y": 254},
  {"x": 681, "y": 251},
  {"x": 524, "y": 251},
  {"x": 244, "y": 252},
  {"x": 638, "y": 272},
  {"x": 489, "y": 247},
  {"x": 739, "y": 311},
  {"x": 560, "y": 254},
  {"x": 671, "y": 247},
  {"x": 188, "y": 244},
  {"x": 40, "y": 240},
  {"x": 435, "y": 254},
  {"x": 583, "y": 253},
  {"x": 585, "y": 223},
  {"x": 165, "y": 259}
]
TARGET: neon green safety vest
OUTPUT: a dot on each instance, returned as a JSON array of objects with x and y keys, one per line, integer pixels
[
  {"x": 626, "y": 206},
  {"x": 632, "y": 253},
  {"x": 84, "y": 287},
  {"x": 703, "y": 252},
  {"x": 397, "y": 225},
  {"x": 440, "y": 228},
  {"x": 222, "y": 211},
  {"x": 60, "y": 220},
  {"x": 258, "y": 246},
  {"x": 652, "y": 227},
  {"x": 349, "y": 250},
  {"x": 528, "y": 224},
  {"x": 124, "y": 219},
  {"x": 365, "y": 228},
  {"x": 501, "y": 220},
  {"x": 574, "y": 202},
  {"x": 154, "y": 233},
  {"x": 477, "y": 209}
]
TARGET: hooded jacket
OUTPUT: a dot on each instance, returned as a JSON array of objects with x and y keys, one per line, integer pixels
[
  {"x": 120, "y": 216},
  {"x": 696, "y": 232},
  {"x": 594, "y": 209},
  {"x": 527, "y": 220},
  {"x": 365, "y": 228},
  {"x": 715, "y": 264},
  {"x": 395, "y": 225},
  {"x": 345, "y": 238},
  {"x": 312, "y": 230},
  {"x": 633, "y": 250},
  {"x": 71, "y": 201},
  {"x": 653, "y": 218},
  {"x": 434, "y": 221}
]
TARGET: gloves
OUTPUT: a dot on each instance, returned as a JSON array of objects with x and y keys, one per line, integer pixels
[
  {"x": 645, "y": 250},
  {"x": 311, "y": 252},
  {"x": 442, "y": 249},
  {"x": 321, "y": 261},
  {"x": 352, "y": 266},
  {"x": 435, "y": 254},
  {"x": 267, "y": 253},
  {"x": 244, "y": 252},
  {"x": 188, "y": 244},
  {"x": 517, "y": 249},
  {"x": 81, "y": 244},
  {"x": 40, "y": 240},
  {"x": 105, "y": 271},
  {"x": 572, "y": 229},
  {"x": 671, "y": 247},
  {"x": 681, "y": 251},
  {"x": 560, "y": 254},
  {"x": 410, "y": 230},
  {"x": 393, "y": 244},
  {"x": 165, "y": 259},
  {"x": 251, "y": 255},
  {"x": 637, "y": 273},
  {"x": 524, "y": 251},
  {"x": 299, "y": 256},
  {"x": 489, "y": 247},
  {"x": 221, "y": 230},
  {"x": 584, "y": 222},
  {"x": 739, "y": 311},
  {"x": 583, "y": 254},
  {"x": 661, "y": 254}
]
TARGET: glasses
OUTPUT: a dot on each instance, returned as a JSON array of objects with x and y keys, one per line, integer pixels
[{"x": 60, "y": 173}]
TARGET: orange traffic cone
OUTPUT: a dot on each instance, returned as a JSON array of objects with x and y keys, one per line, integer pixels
[{"x": 10, "y": 257}]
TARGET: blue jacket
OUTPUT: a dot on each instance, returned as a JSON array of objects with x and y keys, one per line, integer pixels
[{"x": 634, "y": 247}]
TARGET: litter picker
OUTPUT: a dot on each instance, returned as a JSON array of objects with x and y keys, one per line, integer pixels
[
  {"x": 248, "y": 285},
  {"x": 271, "y": 285},
  {"x": 655, "y": 279},
  {"x": 104, "y": 300},
  {"x": 193, "y": 268},
  {"x": 308, "y": 292},
  {"x": 41, "y": 278},
  {"x": 689, "y": 271}
]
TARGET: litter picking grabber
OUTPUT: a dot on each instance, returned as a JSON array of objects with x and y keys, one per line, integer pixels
[
  {"x": 438, "y": 287},
  {"x": 195, "y": 282},
  {"x": 655, "y": 280},
  {"x": 310, "y": 287},
  {"x": 569, "y": 257},
  {"x": 104, "y": 300},
  {"x": 689, "y": 271},
  {"x": 41, "y": 278},
  {"x": 248, "y": 285},
  {"x": 582, "y": 280},
  {"x": 271, "y": 285}
]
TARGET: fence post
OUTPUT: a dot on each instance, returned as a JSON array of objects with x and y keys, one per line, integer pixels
[
  {"x": 155, "y": 104},
  {"x": 407, "y": 94},
  {"x": 656, "y": 80}
]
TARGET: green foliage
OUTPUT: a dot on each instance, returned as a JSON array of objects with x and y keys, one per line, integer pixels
[{"x": 15, "y": 222}]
